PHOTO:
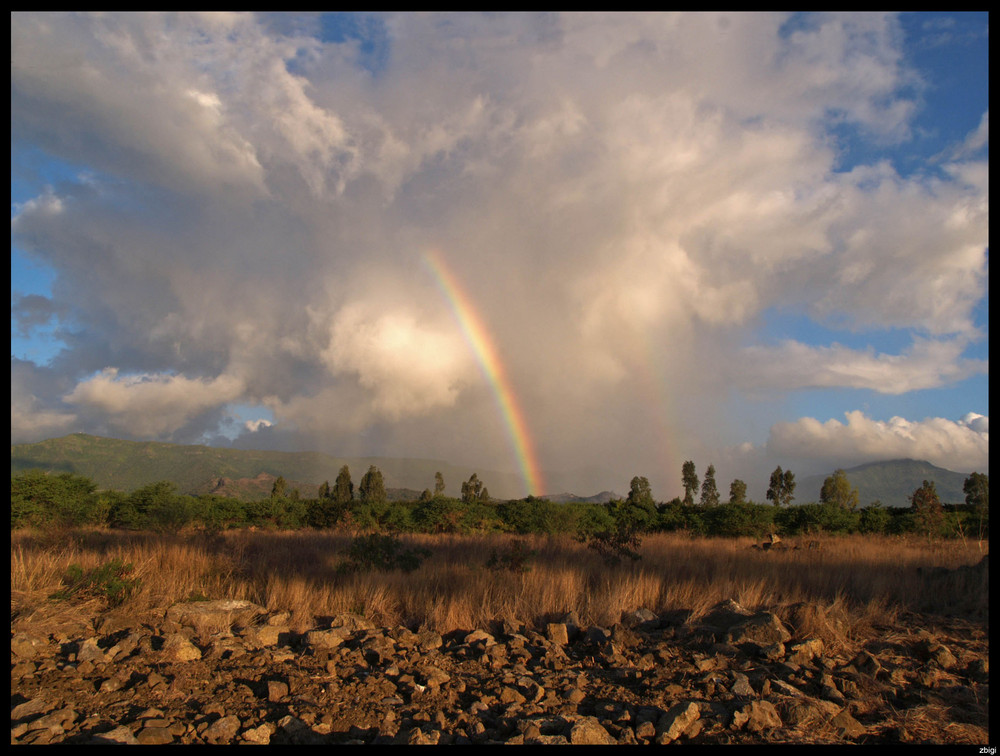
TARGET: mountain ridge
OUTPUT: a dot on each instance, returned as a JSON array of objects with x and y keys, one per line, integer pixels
[{"x": 891, "y": 481}]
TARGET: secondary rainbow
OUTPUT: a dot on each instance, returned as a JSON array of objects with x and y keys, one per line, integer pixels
[{"x": 488, "y": 357}]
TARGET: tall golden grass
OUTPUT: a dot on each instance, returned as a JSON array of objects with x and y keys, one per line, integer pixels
[{"x": 862, "y": 580}]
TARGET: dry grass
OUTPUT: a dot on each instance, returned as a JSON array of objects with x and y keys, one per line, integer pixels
[{"x": 852, "y": 583}]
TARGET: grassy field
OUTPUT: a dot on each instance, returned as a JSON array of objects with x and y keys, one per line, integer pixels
[{"x": 860, "y": 580}]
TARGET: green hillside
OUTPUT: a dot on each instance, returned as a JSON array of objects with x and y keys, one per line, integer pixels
[
  {"x": 891, "y": 482},
  {"x": 127, "y": 465}
]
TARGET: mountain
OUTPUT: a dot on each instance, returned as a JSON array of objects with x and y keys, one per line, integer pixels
[
  {"x": 127, "y": 465},
  {"x": 891, "y": 482}
]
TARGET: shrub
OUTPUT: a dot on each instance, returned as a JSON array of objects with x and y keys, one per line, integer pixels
[
  {"x": 614, "y": 545},
  {"x": 109, "y": 581},
  {"x": 514, "y": 558},
  {"x": 383, "y": 553}
]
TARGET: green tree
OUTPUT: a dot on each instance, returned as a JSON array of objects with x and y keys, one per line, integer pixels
[
  {"x": 639, "y": 510},
  {"x": 782, "y": 487},
  {"x": 324, "y": 490},
  {"x": 689, "y": 477},
  {"x": 709, "y": 491},
  {"x": 977, "y": 496},
  {"x": 837, "y": 490},
  {"x": 343, "y": 488},
  {"x": 371, "y": 490},
  {"x": 927, "y": 509},
  {"x": 977, "y": 491},
  {"x": 473, "y": 491},
  {"x": 438, "y": 484},
  {"x": 278, "y": 489},
  {"x": 737, "y": 492}
]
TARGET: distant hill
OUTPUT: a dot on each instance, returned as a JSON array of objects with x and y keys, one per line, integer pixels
[
  {"x": 891, "y": 482},
  {"x": 249, "y": 474},
  {"x": 567, "y": 498}
]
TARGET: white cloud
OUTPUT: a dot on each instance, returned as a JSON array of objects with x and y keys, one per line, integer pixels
[
  {"x": 963, "y": 445},
  {"x": 409, "y": 367},
  {"x": 794, "y": 365},
  {"x": 152, "y": 405}
]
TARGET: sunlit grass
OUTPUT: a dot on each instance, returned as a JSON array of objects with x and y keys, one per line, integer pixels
[{"x": 863, "y": 581}]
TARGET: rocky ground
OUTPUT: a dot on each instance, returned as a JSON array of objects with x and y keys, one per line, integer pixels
[{"x": 228, "y": 672}]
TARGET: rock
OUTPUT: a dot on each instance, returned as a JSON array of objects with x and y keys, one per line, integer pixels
[
  {"x": 641, "y": 617},
  {"x": 30, "y": 709},
  {"x": 480, "y": 637},
  {"x": 805, "y": 651},
  {"x": 25, "y": 646},
  {"x": 351, "y": 622},
  {"x": 942, "y": 656},
  {"x": 222, "y": 730},
  {"x": 260, "y": 735},
  {"x": 276, "y": 690},
  {"x": 596, "y": 636},
  {"x": 741, "y": 686},
  {"x": 757, "y": 716},
  {"x": 154, "y": 736},
  {"x": 178, "y": 648},
  {"x": 89, "y": 651},
  {"x": 210, "y": 617},
  {"x": 558, "y": 633},
  {"x": 676, "y": 721},
  {"x": 589, "y": 731},
  {"x": 808, "y": 711},
  {"x": 326, "y": 639},
  {"x": 847, "y": 726},
  {"x": 121, "y": 735},
  {"x": 726, "y": 614},
  {"x": 263, "y": 636},
  {"x": 763, "y": 629}
]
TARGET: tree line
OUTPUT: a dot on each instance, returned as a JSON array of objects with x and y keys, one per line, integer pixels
[{"x": 42, "y": 500}]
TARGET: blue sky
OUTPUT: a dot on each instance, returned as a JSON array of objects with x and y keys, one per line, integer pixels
[{"x": 742, "y": 239}]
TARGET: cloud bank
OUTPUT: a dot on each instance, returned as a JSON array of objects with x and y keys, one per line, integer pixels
[{"x": 245, "y": 203}]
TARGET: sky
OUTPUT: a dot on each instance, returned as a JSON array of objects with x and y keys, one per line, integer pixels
[{"x": 578, "y": 248}]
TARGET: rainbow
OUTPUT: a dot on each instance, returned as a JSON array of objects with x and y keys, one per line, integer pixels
[{"x": 488, "y": 357}]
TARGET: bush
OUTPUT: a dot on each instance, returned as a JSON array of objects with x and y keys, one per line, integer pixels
[
  {"x": 383, "y": 553},
  {"x": 41, "y": 500},
  {"x": 109, "y": 581},
  {"x": 614, "y": 545},
  {"x": 514, "y": 558}
]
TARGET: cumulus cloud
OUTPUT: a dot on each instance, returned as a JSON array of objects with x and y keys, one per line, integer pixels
[
  {"x": 408, "y": 367},
  {"x": 962, "y": 445},
  {"x": 622, "y": 196},
  {"x": 151, "y": 405}
]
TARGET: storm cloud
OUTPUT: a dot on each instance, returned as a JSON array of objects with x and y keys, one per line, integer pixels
[{"x": 246, "y": 205}]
